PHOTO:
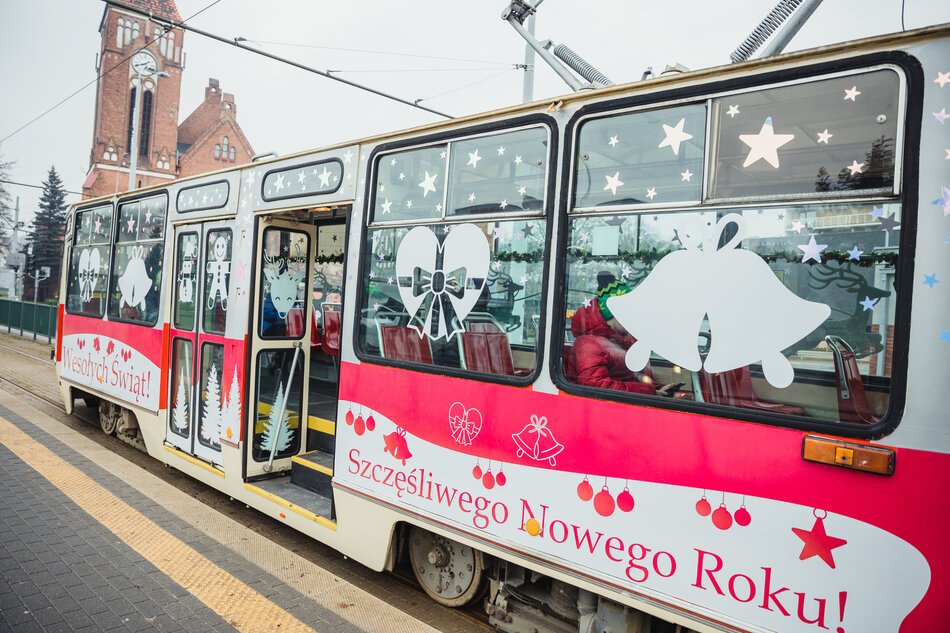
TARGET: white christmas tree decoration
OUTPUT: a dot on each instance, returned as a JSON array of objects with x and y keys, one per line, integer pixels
[
  {"x": 180, "y": 419},
  {"x": 211, "y": 418},
  {"x": 276, "y": 431},
  {"x": 231, "y": 416}
]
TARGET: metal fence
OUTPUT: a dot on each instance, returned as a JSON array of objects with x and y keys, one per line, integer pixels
[{"x": 28, "y": 319}]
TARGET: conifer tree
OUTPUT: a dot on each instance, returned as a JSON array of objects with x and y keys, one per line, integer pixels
[
  {"x": 276, "y": 431},
  {"x": 47, "y": 235},
  {"x": 233, "y": 407},
  {"x": 180, "y": 418},
  {"x": 211, "y": 413}
]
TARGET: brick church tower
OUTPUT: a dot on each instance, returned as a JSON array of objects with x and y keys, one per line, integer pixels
[{"x": 209, "y": 138}]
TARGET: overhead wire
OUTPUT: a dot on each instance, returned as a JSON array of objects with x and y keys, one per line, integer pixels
[
  {"x": 387, "y": 53},
  {"x": 469, "y": 85},
  {"x": 23, "y": 184},
  {"x": 96, "y": 79}
]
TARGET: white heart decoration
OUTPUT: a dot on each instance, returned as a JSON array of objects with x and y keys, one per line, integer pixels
[{"x": 418, "y": 275}]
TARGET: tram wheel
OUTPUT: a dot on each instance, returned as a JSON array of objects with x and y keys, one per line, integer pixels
[
  {"x": 109, "y": 414},
  {"x": 90, "y": 401},
  {"x": 451, "y": 573}
]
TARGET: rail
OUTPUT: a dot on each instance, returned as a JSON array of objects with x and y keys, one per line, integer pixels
[{"x": 28, "y": 318}]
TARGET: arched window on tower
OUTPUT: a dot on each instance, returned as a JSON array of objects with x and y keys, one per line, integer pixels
[
  {"x": 217, "y": 150},
  {"x": 128, "y": 136},
  {"x": 134, "y": 33},
  {"x": 171, "y": 45},
  {"x": 120, "y": 33},
  {"x": 224, "y": 146},
  {"x": 157, "y": 35},
  {"x": 146, "y": 124},
  {"x": 231, "y": 153}
]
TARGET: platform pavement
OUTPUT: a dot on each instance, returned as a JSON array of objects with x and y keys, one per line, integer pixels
[{"x": 68, "y": 562}]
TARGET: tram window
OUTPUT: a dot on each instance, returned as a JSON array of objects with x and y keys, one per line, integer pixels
[
  {"x": 283, "y": 284},
  {"x": 180, "y": 418},
  {"x": 89, "y": 262},
  {"x": 783, "y": 310},
  {"x": 134, "y": 294},
  {"x": 186, "y": 282},
  {"x": 466, "y": 296},
  {"x": 501, "y": 173},
  {"x": 411, "y": 185},
  {"x": 328, "y": 269},
  {"x": 209, "y": 415},
  {"x": 819, "y": 138},
  {"x": 271, "y": 431},
  {"x": 650, "y": 157},
  {"x": 217, "y": 273}
]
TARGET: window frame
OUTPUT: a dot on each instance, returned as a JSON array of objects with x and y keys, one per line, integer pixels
[
  {"x": 304, "y": 194},
  {"x": 184, "y": 190},
  {"x": 107, "y": 277},
  {"x": 159, "y": 316},
  {"x": 908, "y": 138},
  {"x": 546, "y": 213}
]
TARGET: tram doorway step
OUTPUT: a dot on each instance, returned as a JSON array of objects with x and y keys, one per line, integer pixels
[
  {"x": 296, "y": 495},
  {"x": 313, "y": 471}
]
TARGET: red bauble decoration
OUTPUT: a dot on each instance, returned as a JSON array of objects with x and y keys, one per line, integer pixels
[
  {"x": 349, "y": 418},
  {"x": 604, "y": 503},
  {"x": 488, "y": 480},
  {"x": 501, "y": 480},
  {"x": 370, "y": 423},
  {"x": 359, "y": 426},
  {"x": 703, "y": 508},
  {"x": 721, "y": 518},
  {"x": 625, "y": 501},
  {"x": 584, "y": 490},
  {"x": 477, "y": 472},
  {"x": 743, "y": 517}
]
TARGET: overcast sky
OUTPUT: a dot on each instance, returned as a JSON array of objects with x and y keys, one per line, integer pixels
[{"x": 458, "y": 57}]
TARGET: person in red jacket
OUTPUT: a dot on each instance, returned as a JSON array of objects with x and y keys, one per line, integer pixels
[{"x": 598, "y": 355}]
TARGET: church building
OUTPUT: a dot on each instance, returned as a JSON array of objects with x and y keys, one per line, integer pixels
[{"x": 137, "y": 54}]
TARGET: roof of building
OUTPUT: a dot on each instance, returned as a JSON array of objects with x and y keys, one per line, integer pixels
[{"x": 159, "y": 8}]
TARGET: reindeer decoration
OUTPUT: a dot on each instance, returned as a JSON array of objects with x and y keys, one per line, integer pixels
[{"x": 283, "y": 283}]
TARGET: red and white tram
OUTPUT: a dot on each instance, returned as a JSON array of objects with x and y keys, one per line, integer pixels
[{"x": 673, "y": 351}]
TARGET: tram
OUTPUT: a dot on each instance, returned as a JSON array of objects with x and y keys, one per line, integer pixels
[{"x": 671, "y": 355}]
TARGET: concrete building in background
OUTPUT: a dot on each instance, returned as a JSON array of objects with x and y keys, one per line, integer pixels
[{"x": 208, "y": 139}]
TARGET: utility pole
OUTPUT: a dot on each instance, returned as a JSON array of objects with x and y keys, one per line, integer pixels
[{"x": 527, "y": 95}]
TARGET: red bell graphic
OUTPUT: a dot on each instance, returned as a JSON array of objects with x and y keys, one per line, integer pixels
[{"x": 396, "y": 445}]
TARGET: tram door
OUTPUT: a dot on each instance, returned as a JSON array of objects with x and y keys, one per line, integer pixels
[
  {"x": 199, "y": 409},
  {"x": 280, "y": 346}
]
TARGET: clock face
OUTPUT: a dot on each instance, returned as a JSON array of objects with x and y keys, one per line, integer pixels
[{"x": 144, "y": 64}]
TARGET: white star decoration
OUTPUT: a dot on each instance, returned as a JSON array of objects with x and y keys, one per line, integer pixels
[
  {"x": 824, "y": 136},
  {"x": 855, "y": 167},
  {"x": 279, "y": 182},
  {"x": 733, "y": 111},
  {"x": 612, "y": 183},
  {"x": 812, "y": 250},
  {"x": 765, "y": 144},
  {"x": 302, "y": 176},
  {"x": 851, "y": 95},
  {"x": 503, "y": 204},
  {"x": 613, "y": 141},
  {"x": 523, "y": 190},
  {"x": 941, "y": 116},
  {"x": 473, "y": 158},
  {"x": 651, "y": 193},
  {"x": 325, "y": 177},
  {"x": 942, "y": 78},
  {"x": 674, "y": 136},
  {"x": 428, "y": 183},
  {"x": 501, "y": 150},
  {"x": 471, "y": 197},
  {"x": 387, "y": 206},
  {"x": 518, "y": 160},
  {"x": 686, "y": 175},
  {"x": 408, "y": 204}
]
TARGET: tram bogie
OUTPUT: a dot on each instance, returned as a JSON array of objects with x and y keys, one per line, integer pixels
[{"x": 660, "y": 355}]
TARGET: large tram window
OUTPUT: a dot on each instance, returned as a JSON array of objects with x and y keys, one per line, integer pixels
[
  {"x": 456, "y": 295},
  {"x": 651, "y": 157},
  {"x": 274, "y": 432},
  {"x": 817, "y": 139},
  {"x": 209, "y": 415},
  {"x": 410, "y": 185},
  {"x": 186, "y": 282},
  {"x": 135, "y": 291},
  {"x": 783, "y": 310},
  {"x": 283, "y": 284},
  {"x": 89, "y": 262},
  {"x": 217, "y": 272}
]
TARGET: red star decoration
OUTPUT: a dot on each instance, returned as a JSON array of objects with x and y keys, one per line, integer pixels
[{"x": 818, "y": 543}]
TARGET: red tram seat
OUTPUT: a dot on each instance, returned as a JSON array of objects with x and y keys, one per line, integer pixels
[
  {"x": 331, "y": 332},
  {"x": 853, "y": 405},
  {"x": 404, "y": 343},
  {"x": 488, "y": 352},
  {"x": 315, "y": 342},
  {"x": 295, "y": 323},
  {"x": 734, "y": 389}
]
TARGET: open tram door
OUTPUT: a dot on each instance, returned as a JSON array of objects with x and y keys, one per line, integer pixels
[{"x": 281, "y": 326}]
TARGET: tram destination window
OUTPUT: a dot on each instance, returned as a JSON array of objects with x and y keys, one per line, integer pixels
[
  {"x": 460, "y": 294},
  {"x": 763, "y": 307},
  {"x": 89, "y": 262},
  {"x": 135, "y": 290}
]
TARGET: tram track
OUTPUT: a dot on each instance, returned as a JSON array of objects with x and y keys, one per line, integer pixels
[{"x": 85, "y": 421}]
